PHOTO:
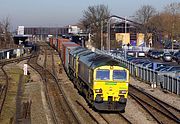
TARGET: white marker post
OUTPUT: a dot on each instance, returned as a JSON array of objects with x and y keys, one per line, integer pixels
[
  {"x": 7, "y": 55},
  {"x": 25, "y": 69}
]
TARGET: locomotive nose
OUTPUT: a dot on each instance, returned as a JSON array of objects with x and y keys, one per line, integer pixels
[
  {"x": 110, "y": 88},
  {"x": 110, "y": 91}
]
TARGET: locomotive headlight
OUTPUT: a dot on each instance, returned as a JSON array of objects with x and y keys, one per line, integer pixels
[
  {"x": 98, "y": 90},
  {"x": 111, "y": 67},
  {"x": 122, "y": 91}
]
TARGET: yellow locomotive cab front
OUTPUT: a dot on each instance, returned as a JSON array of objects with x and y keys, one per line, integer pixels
[{"x": 110, "y": 88}]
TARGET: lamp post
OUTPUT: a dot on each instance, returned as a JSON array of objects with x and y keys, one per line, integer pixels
[
  {"x": 125, "y": 52},
  {"x": 125, "y": 26},
  {"x": 108, "y": 34},
  {"x": 107, "y": 38},
  {"x": 172, "y": 40},
  {"x": 125, "y": 19},
  {"x": 108, "y": 29},
  {"x": 101, "y": 35},
  {"x": 125, "y": 31}
]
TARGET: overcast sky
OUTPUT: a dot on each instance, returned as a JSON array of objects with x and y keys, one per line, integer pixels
[{"x": 65, "y": 12}]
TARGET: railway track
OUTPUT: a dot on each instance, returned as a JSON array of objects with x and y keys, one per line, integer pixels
[
  {"x": 62, "y": 99},
  {"x": 126, "y": 120},
  {"x": 61, "y": 111},
  {"x": 8, "y": 61},
  {"x": 91, "y": 115},
  {"x": 33, "y": 63},
  {"x": 159, "y": 110},
  {"x": 122, "y": 118},
  {"x": 4, "y": 89},
  {"x": 4, "y": 76}
]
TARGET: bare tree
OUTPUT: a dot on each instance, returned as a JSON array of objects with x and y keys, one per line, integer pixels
[
  {"x": 5, "y": 35},
  {"x": 1, "y": 34},
  {"x": 92, "y": 20},
  {"x": 166, "y": 24},
  {"x": 173, "y": 10},
  {"x": 143, "y": 16}
]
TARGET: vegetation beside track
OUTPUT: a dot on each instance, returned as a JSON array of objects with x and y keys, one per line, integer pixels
[{"x": 9, "y": 108}]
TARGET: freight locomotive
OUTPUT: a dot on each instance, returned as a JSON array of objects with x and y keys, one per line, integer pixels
[{"x": 101, "y": 79}]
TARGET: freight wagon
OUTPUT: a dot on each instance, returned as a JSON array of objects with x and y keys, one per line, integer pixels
[{"x": 66, "y": 47}]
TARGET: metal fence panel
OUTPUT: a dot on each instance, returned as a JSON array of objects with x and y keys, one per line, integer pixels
[{"x": 149, "y": 76}]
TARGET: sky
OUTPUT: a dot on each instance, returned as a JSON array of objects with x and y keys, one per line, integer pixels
[{"x": 66, "y": 12}]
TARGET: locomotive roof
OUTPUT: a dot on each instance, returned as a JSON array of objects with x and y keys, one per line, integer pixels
[
  {"x": 76, "y": 48},
  {"x": 95, "y": 60},
  {"x": 85, "y": 59},
  {"x": 78, "y": 51},
  {"x": 85, "y": 53},
  {"x": 103, "y": 60}
]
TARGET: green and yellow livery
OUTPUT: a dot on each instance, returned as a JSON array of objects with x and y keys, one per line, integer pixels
[{"x": 102, "y": 80}]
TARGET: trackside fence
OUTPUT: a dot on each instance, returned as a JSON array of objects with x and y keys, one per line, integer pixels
[{"x": 165, "y": 81}]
